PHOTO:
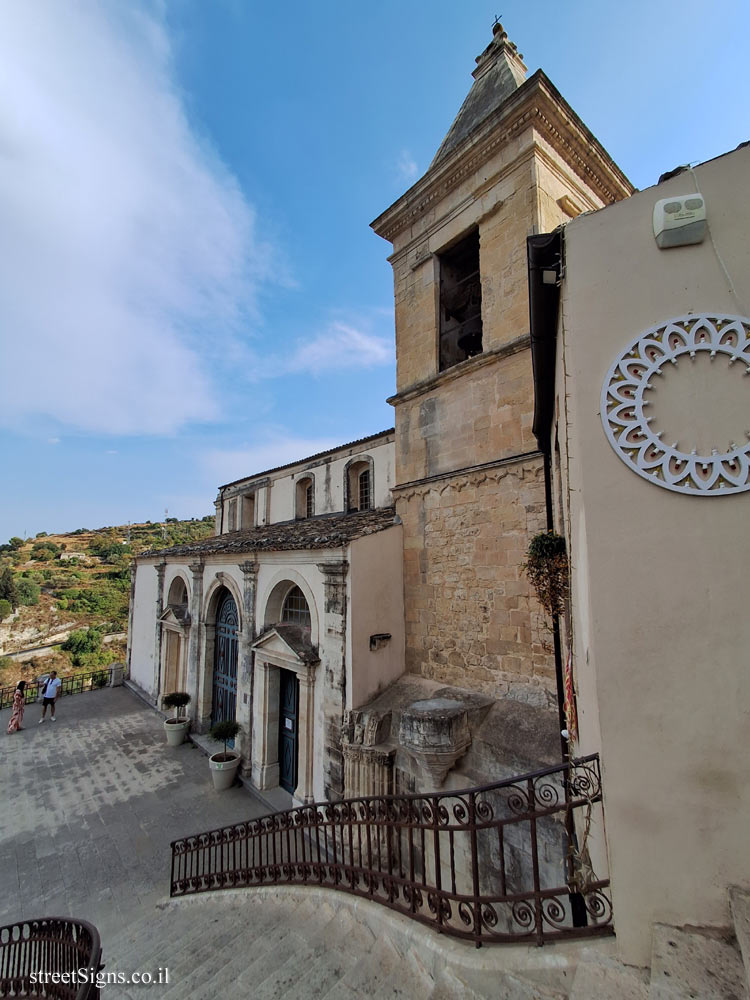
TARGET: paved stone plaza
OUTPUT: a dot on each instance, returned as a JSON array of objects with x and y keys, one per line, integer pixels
[{"x": 90, "y": 805}]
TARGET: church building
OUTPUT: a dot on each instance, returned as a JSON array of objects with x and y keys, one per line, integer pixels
[{"x": 344, "y": 589}]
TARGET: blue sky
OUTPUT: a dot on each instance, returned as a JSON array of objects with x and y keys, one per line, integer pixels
[{"x": 190, "y": 290}]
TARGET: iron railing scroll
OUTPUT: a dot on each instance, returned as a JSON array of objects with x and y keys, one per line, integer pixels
[
  {"x": 506, "y": 862},
  {"x": 32, "y": 951}
]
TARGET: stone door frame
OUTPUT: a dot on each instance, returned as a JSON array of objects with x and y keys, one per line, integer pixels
[{"x": 266, "y": 711}]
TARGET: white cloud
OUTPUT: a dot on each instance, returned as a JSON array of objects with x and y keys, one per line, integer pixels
[
  {"x": 406, "y": 166},
  {"x": 273, "y": 447},
  {"x": 340, "y": 346},
  {"x": 123, "y": 236}
]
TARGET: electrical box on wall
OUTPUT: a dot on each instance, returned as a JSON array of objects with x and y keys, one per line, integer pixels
[{"x": 680, "y": 221}]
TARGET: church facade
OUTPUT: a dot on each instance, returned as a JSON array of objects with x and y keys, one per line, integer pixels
[
  {"x": 290, "y": 615},
  {"x": 390, "y": 571}
]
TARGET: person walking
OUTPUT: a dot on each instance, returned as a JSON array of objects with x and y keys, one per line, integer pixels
[
  {"x": 19, "y": 702},
  {"x": 50, "y": 695}
]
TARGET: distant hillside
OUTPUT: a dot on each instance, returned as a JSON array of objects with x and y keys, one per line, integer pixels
[{"x": 55, "y": 585}]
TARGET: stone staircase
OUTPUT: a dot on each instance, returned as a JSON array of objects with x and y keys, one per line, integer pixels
[{"x": 272, "y": 943}]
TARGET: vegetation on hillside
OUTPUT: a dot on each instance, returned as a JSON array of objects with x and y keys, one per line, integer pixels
[{"x": 76, "y": 583}]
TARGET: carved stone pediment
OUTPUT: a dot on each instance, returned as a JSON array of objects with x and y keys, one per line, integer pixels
[
  {"x": 287, "y": 645},
  {"x": 176, "y": 615}
]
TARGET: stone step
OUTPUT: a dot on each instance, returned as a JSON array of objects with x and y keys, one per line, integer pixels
[
  {"x": 605, "y": 978},
  {"x": 303, "y": 942},
  {"x": 739, "y": 904},
  {"x": 695, "y": 963},
  {"x": 254, "y": 932},
  {"x": 319, "y": 969},
  {"x": 164, "y": 934},
  {"x": 375, "y": 966},
  {"x": 455, "y": 984}
]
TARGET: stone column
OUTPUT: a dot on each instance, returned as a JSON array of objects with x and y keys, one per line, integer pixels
[
  {"x": 194, "y": 643},
  {"x": 304, "y": 791},
  {"x": 265, "y": 742},
  {"x": 333, "y": 627},
  {"x": 245, "y": 664},
  {"x": 157, "y": 688}
]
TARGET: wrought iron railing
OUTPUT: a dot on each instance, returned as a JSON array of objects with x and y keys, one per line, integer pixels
[
  {"x": 505, "y": 862},
  {"x": 52, "y": 957},
  {"x": 88, "y": 680}
]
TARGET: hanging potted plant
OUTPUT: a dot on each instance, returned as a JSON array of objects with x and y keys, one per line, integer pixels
[
  {"x": 547, "y": 570},
  {"x": 176, "y": 728},
  {"x": 224, "y": 764}
]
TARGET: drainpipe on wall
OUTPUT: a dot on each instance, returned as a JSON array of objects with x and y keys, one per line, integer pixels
[{"x": 545, "y": 267}]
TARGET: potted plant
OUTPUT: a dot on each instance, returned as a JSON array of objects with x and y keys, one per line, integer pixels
[
  {"x": 176, "y": 728},
  {"x": 224, "y": 764}
]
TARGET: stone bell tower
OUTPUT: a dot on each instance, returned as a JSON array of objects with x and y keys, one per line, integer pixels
[{"x": 517, "y": 160}]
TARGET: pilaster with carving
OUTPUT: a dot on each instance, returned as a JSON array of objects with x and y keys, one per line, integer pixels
[
  {"x": 194, "y": 639},
  {"x": 160, "y": 571},
  {"x": 245, "y": 666},
  {"x": 333, "y": 628}
]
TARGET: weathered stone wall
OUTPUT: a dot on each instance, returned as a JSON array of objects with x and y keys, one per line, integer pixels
[{"x": 470, "y": 617}]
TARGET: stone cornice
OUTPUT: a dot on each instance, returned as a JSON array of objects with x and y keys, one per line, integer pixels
[
  {"x": 456, "y": 371},
  {"x": 536, "y": 103},
  {"x": 474, "y": 474},
  {"x": 244, "y": 488}
]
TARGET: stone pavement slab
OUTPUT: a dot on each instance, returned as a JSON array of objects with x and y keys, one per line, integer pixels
[{"x": 91, "y": 804}]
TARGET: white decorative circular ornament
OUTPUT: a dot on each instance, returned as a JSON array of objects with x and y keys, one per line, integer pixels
[{"x": 627, "y": 426}]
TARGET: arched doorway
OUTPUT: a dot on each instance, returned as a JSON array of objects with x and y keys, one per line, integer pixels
[
  {"x": 224, "y": 697},
  {"x": 285, "y": 661}
]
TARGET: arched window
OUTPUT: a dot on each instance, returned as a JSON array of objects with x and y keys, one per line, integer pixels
[
  {"x": 295, "y": 608},
  {"x": 359, "y": 485},
  {"x": 177, "y": 592},
  {"x": 305, "y": 498}
]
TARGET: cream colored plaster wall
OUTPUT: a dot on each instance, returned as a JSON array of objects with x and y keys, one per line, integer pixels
[
  {"x": 328, "y": 475},
  {"x": 376, "y": 605},
  {"x": 141, "y": 639},
  {"x": 659, "y": 578},
  {"x": 329, "y": 483}
]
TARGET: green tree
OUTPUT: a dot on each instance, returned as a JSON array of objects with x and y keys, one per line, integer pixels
[
  {"x": 15, "y": 542},
  {"x": 27, "y": 592},
  {"x": 84, "y": 647},
  {"x": 44, "y": 551},
  {"x": 8, "y": 590},
  {"x": 5, "y": 608}
]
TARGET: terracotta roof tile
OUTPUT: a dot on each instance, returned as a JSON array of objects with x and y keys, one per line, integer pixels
[{"x": 323, "y": 532}]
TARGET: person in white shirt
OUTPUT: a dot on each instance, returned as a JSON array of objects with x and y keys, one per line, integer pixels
[{"x": 50, "y": 694}]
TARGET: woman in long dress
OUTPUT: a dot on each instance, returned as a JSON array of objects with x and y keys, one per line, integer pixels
[{"x": 18, "y": 705}]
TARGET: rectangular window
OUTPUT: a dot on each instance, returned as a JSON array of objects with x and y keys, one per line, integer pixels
[
  {"x": 248, "y": 511},
  {"x": 309, "y": 501},
  {"x": 364, "y": 490},
  {"x": 460, "y": 302}
]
